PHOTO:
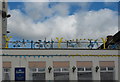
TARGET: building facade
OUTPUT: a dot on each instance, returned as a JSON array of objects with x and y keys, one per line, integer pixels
[{"x": 57, "y": 65}]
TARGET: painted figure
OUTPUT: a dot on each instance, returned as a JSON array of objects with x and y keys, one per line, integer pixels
[
  {"x": 59, "y": 42},
  {"x": 7, "y": 40}
]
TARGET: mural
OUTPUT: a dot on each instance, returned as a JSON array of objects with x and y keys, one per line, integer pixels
[{"x": 56, "y": 43}]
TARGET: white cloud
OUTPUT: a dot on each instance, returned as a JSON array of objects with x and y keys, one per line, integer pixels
[
  {"x": 84, "y": 24},
  {"x": 38, "y": 11},
  {"x": 97, "y": 23}
]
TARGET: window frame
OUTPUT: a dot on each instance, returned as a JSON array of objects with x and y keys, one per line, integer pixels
[
  {"x": 36, "y": 71},
  {"x": 61, "y": 70},
  {"x": 107, "y": 69},
  {"x": 84, "y": 69},
  {"x": 6, "y": 72}
]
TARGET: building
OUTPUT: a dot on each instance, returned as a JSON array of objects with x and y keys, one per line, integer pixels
[
  {"x": 50, "y": 66},
  {"x": 56, "y": 63},
  {"x": 4, "y": 16},
  {"x": 113, "y": 42},
  {"x": 3, "y": 28}
]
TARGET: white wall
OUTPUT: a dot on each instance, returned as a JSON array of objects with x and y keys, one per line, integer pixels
[
  {"x": 53, "y": 52},
  {"x": 23, "y": 62}
]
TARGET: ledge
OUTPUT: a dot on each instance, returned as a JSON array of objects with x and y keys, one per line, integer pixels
[{"x": 52, "y": 49}]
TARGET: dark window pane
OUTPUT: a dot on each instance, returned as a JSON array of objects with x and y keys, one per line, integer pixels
[
  {"x": 88, "y": 69},
  {"x": 6, "y": 76},
  {"x": 41, "y": 69},
  {"x": 65, "y": 69},
  {"x": 80, "y": 69},
  {"x": 107, "y": 75},
  {"x": 61, "y": 76},
  {"x": 3, "y": 5},
  {"x": 33, "y": 69},
  {"x": 57, "y": 69},
  {"x": 110, "y": 68},
  {"x": 84, "y": 75},
  {"x": 38, "y": 76},
  {"x": 6, "y": 70},
  {"x": 103, "y": 68},
  {"x": 6, "y": 73}
]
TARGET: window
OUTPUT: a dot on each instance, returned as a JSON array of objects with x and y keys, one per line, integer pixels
[
  {"x": 107, "y": 73},
  {"x": 33, "y": 69},
  {"x": 37, "y": 73},
  {"x": 38, "y": 76},
  {"x": 41, "y": 69},
  {"x": 6, "y": 73},
  {"x": 110, "y": 69},
  {"x": 84, "y": 73},
  {"x": 84, "y": 70},
  {"x": 6, "y": 70},
  {"x": 61, "y": 70},
  {"x": 61, "y": 73},
  {"x": 61, "y": 76},
  {"x": 37, "y": 70},
  {"x": 103, "y": 69},
  {"x": 3, "y": 4},
  {"x": 107, "y": 70},
  {"x": 57, "y": 69},
  {"x": 81, "y": 69},
  {"x": 89, "y": 69}
]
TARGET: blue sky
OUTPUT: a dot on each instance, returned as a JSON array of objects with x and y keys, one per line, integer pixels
[
  {"x": 41, "y": 22},
  {"x": 94, "y": 5}
]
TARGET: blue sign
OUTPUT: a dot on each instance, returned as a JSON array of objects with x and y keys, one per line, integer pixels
[{"x": 19, "y": 74}]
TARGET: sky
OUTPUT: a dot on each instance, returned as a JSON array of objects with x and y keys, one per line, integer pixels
[{"x": 70, "y": 20}]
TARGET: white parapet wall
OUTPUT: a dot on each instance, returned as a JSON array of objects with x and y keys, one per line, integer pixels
[{"x": 58, "y": 52}]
